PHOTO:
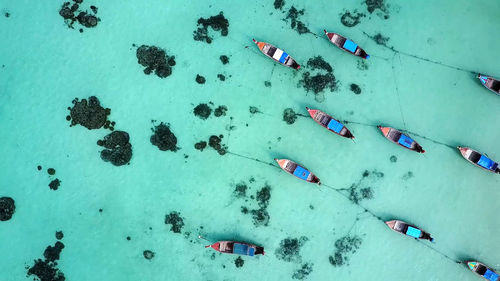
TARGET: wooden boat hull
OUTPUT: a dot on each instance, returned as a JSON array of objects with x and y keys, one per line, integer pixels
[
  {"x": 277, "y": 55},
  {"x": 298, "y": 171},
  {"x": 408, "y": 230},
  {"x": 482, "y": 270},
  {"x": 346, "y": 44},
  {"x": 475, "y": 157},
  {"x": 238, "y": 248},
  {"x": 490, "y": 83},
  {"x": 401, "y": 139},
  {"x": 328, "y": 122}
]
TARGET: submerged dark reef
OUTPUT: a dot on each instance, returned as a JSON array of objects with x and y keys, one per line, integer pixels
[
  {"x": 289, "y": 249},
  {"x": 217, "y": 23},
  {"x": 359, "y": 191},
  {"x": 303, "y": 271},
  {"x": 260, "y": 215},
  {"x": 372, "y": 5},
  {"x": 175, "y": 220},
  {"x": 278, "y": 4},
  {"x": 200, "y": 79},
  {"x": 224, "y": 59},
  {"x": 155, "y": 59},
  {"x": 215, "y": 143},
  {"x": 46, "y": 269},
  {"x": 163, "y": 137},
  {"x": 72, "y": 12},
  {"x": 54, "y": 184},
  {"x": 295, "y": 22},
  {"x": 7, "y": 208},
  {"x": 289, "y": 116},
  {"x": 239, "y": 262},
  {"x": 344, "y": 247},
  {"x": 90, "y": 114},
  {"x": 321, "y": 81},
  {"x": 118, "y": 149},
  {"x": 148, "y": 254},
  {"x": 203, "y": 110},
  {"x": 355, "y": 89},
  {"x": 351, "y": 19}
]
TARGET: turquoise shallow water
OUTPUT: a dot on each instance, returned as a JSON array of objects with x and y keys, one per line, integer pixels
[{"x": 420, "y": 81}]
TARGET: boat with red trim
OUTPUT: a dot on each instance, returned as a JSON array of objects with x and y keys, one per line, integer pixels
[
  {"x": 296, "y": 170},
  {"x": 329, "y": 123},
  {"x": 409, "y": 230},
  {"x": 479, "y": 159},
  {"x": 277, "y": 54},
  {"x": 401, "y": 139},
  {"x": 482, "y": 270},
  {"x": 490, "y": 83},
  {"x": 346, "y": 44},
  {"x": 237, "y": 248}
]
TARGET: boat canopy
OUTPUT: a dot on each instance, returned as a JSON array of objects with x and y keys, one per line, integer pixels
[
  {"x": 405, "y": 141},
  {"x": 490, "y": 275},
  {"x": 301, "y": 172},
  {"x": 350, "y": 46},
  {"x": 335, "y": 126},
  {"x": 242, "y": 249},
  {"x": 495, "y": 86},
  {"x": 413, "y": 232},
  {"x": 486, "y": 162}
]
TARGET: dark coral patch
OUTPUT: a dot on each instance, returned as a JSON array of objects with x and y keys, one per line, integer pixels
[
  {"x": 344, "y": 247},
  {"x": 215, "y": 143},
  {"x": 52, "y": 253},
  {"x": 253, "y": 110},
  {"x": 289, "y": 249},
  {"x": 351, "y": 19},
  {"x": 200, "y": 79},
  {"x": 51, "y": 171},
  {"x": 175, "y": 220},
  {"x": 355, "y": 89},
  {"x": 118, "y": 148},
  {"x": 90, "y": 114},
  {"x": 59, "y": 235},
  {"x": 289, "y": 116},
  {"x": 155, "y": 59},
  {"x": 39, "y": 168},
  {"x": 220, "y": 111},
  {"x": 303, "y": 271},
  {"x": 319, "y": 82},
  {"x": 148, "y": 254},
  {"x": 380, "y": 39},
  {"x": 260, "y": 217},
  {"x": 202, "y": 110},
  {"x": 72, "y": 13},
  {"x": 393, "y": 159},
  {"x": 200, "y": 145},
  {"x": 295, "y": 23},
  {"x": 163, "y": 138},
  {"x": 7, "y": 208},
  {"x": 240, "y": 190},
  {"x": 267, "y": 84},
  {"x": 221, "y": 77},
  {"x": 239, "y": 262},
  {"x": 319, "y": 63},
  {"x": 224, "y": 59},
  {"x": 372, "y": 5},
  {"x": 54, "y": 185},
  {"x": 278, "y": 4},
  {"x": 217, "y": 23}
]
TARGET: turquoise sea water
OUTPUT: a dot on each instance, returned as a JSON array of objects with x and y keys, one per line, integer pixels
[{"x": 421, "y": 81}]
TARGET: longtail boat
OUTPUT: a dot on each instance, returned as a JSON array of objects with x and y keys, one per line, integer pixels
[
  {"x": 346, "y": 44},
  {"x": 491, "y": 83},
  {"x": 479, "y": 159},
  {"x": 237, "y": 248},
  {"x": 408, "y": 230},
  {"x": 483, "y": 271},
  {"x": 276, "y": 54},
  {"x": 401, "y": 139},
  {"x": 329, "y": 123},
  {"x": 296, "y": 170}
]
